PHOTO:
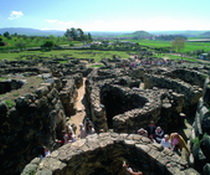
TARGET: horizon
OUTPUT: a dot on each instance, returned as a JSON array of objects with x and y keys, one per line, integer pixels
[{"x": 107, "y": 16}]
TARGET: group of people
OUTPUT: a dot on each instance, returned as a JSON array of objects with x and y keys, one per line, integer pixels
[
  {"x": 68, "y": 134},
  {"x": 86, "y": 128},
  {"x": 174, "y": 142}
]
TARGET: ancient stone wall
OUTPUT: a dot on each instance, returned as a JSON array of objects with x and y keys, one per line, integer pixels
[
  {"x": 105, "y": 153},
  {"x": 200, "y": 137},
  {"x": 36, "y": 119}
]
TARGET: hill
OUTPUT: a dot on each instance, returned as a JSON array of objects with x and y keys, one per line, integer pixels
[
  {"x": 187, "y": 33},
  {"x": 205, "y": 34},
  {"x": 137, "y": 35},
  {"x": 30, "y": 31}
]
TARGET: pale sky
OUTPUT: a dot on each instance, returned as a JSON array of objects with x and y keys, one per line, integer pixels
[{"x": 106, "y": 15}]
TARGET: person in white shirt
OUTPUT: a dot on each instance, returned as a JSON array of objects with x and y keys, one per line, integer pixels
[
  {"x": 82, "y": 132},
  {"x": 130, "y": 170},
  {"x": 165, "y": 142}
]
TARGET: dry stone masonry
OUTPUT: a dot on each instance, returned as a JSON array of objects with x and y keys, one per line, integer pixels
[{"x": 120, "y": 100}]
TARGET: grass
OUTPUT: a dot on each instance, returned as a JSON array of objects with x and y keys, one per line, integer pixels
[
  {"x": 97, "y": 65},
  {"x": 10, "y": 103},
  {"x": 89, "y": 54},
  {"x": 2, "y": 78},
  {"x": 174, "y": 57},
  {"x": 189, "y": 46}
]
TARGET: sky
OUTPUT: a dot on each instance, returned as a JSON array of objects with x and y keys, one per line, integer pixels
[{"x": 106, "y": 15}]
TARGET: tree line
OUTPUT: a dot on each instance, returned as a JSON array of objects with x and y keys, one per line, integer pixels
[{"x": 15, "y": 40}]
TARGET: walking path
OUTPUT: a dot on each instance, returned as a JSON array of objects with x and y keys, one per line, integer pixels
[{"x": 81, "y": 113}]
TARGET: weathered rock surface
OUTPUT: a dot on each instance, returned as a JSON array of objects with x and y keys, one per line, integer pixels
[{"x": 104, "y": 154}]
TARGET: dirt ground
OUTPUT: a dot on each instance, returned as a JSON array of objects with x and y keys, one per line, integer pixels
[{"x": 81, "y": 113}]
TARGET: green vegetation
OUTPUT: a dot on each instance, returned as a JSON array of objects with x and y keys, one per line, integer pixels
[
  {"x": 16, "y": 94},
  {"x": 10, "y": 103},
  {"x": 174, "y": 57},
  {"x": 189, "y": 46},
  {"x": 2, "y": 78},
  {"x": 196, "y": 141},
  {"x": 89, "y": 54},
  {"x": 77, "y": 35},
  {"x": 13, "y": 47},
  {"x": 97, "y": 65}
]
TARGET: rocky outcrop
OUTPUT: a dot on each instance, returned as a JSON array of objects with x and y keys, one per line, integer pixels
[{"x": 104, "y": 154}]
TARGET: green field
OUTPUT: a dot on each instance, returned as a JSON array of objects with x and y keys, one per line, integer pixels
[
  {"x": 189, "y": 46},
  {"x": 89, "y": 54}
]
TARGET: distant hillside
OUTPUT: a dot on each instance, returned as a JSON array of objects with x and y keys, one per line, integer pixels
[
  {"x": 205, "y": 34},
  {"x": 187, "y": 33},
  {"x": 30, "y": 32},
  {"x": 138, "y": 35}
]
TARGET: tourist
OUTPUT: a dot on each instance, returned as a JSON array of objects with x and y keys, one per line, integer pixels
[
  {"x": 178, "y": 143},
  {"x": 71, "y": 138},
  {"x": 130, "y": 170},
  {"x": 142, "y": 132},
  {"x": 45, "y": 152},
  {"x": 65, "y": 138},
  {"x": 165, "y": 142},
  {"x": 90, "y": 130},
  {"x": 82, "y": 132},
  {"x": 87, "y": 123},
  {"x": 159, "y": 133},
  {"x": 151, "y": 130},
  {"x": 69, "y": 129}
]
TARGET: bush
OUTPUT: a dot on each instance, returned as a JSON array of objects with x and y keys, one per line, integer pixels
[{"x": 48, "y": 45}]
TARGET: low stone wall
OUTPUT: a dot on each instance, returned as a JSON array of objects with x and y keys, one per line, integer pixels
[
  {"x": 120, "y": 103},
  {"x": 191, "y": 93},
  {"x": 105, "y": 153},
  {"x": 9, "y": 85},
  {"x": 192, "y": 77}
]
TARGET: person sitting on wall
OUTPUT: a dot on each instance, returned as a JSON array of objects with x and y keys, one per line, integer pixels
[
  {"x": 159, "y": 134},
  {"x": 165, "y": 142},
  {"x": 130, "y": 170},
  {"x": 44, "y": 152},
  {"x": 178, "y": 143},
  {"x": 142, "y": 132},
  {"x": 151, "y": 130}
]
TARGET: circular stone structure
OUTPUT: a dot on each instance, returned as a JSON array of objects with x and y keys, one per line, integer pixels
[{"x": 104, "y": 153}]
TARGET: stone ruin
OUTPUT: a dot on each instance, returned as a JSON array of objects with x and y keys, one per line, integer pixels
[{"x": 119, "y": 100}]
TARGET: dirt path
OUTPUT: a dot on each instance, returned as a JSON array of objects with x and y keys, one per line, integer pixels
[{"x": 79, "y": 116}]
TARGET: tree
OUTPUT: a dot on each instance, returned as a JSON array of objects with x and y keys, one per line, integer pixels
[
  {"x": 89, "y": 37},
  {"x": 178, "y": 44},
  {"x": 7, "y": 35},
  {"x": 77, "y": 35},
  {"x": 48, "y": 45},
  {"x": 20, "y": 44}
]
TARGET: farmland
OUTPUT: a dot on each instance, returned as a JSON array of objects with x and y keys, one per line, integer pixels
[{"x": 189, "y": 46}]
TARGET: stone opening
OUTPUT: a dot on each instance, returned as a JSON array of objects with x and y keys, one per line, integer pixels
[
  {"x": 9, "y": 85},
  {"x": 108, "y": 161},
  {"x": 117, "y": 101}
]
